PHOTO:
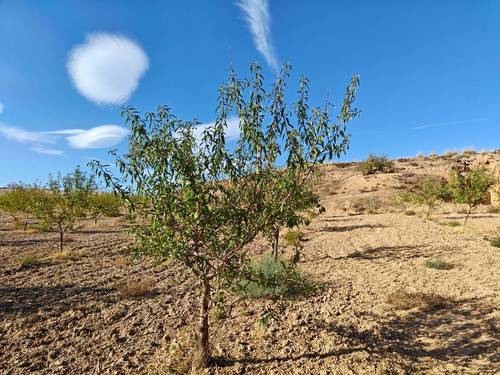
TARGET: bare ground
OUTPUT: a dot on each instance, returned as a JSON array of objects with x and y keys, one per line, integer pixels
[{"x": 74, "y": 312}]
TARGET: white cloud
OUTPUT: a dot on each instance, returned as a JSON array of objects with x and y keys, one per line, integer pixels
[
  {"x": 107, "y": 68},
  {"x": 1, "y": 108},
  {"x": 98, "y": 137},
  {"x": 48, "y": 151},
  {"x": 232, "y": 130},
  {"x": 23, "y": 136},
  {"x": 259, "y": 21}
]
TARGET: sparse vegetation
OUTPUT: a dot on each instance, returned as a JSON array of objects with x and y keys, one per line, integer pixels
[
  {"x": 104, "y": 204},
  {"x": 135, "y": 289},
  {"x": 271, "y": 278},
  {"x": 453, "y": 223},
  {"x": 376, "y": 164},
  {"x": 438, "y": 264},
  {"x": 30, "y": 260}
]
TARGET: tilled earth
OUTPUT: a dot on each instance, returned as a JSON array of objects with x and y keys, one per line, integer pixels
[{"x": 67, "y": 313}]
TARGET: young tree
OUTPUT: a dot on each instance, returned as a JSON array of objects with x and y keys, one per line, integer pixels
[
  {"x": 428, "y": 193},
  {"x": 207, "y": 199},
  {"x": 104, "y": 204},
  {"x": 64, "y": 201},
  {"x": 287, "y": 212},
  {"x": 468, "y": 185},
  {"x": 19, "y": 202}
]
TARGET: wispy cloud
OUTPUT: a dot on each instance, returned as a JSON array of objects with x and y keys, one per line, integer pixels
[
  {"x": 256, "y": 15},
  {"x": 1, "y": 108},
  {"x": 48, "y": 151},
  {"x": 103, "y": 136},
  {"x": 449, "y": 123},
  {"x": 107, "y": 68}
]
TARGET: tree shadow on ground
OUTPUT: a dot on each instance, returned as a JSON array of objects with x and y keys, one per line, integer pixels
[
  {"x": 29, "y": 300},
  {"x": 347, "y": 228},
  {"x": 393, "y": 252},
  {"x": 25, "y": 242},
  {"x": 463, "y": 331}
]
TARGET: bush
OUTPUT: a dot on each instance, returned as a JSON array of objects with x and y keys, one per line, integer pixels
[
  {"x": 453, "y": 223},
  {"x": 375, "y": 164},
  {"x": 293, "y": 237},
  {"x": 271, "y": 278},
  {"x": 438, "y": 264}
]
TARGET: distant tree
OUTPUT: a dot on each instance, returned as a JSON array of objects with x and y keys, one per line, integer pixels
[
  {"x": 468, "y": 185},
  {"x": 65, "y": 200},
  {"x": 19, "y": 203},
  {"x": 104, "y": 204},
  {"x": 207, "y": 200},
  {"x": 428, "y": 193}
]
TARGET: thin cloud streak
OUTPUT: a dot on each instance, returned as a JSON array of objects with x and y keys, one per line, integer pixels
[
  {"x": 439, "y": 124},
  {"x": 258, "y": 19},
  {"x": 423, "y": 127},
  {"x": 48, "y": 151}
]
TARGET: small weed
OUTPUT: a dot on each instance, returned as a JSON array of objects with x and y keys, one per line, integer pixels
[
  {"x": 495, "y": 241},
  {"x": 438, "y": 264},
  {"x": 427, "y": 302},
  {"x": 30, "y": 260},
  {"x": 410, "y": 212},
  {"x": 135, "y": 289},
  {"x": 63, "y": 255},
  {"x": 453, "y": 223}
]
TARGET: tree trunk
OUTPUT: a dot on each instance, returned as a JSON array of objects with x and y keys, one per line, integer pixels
[
  {"x": 202, "y": 357},
  {"x": 468, "y": 213},
  {"x": 276, "y": 243},
  {"x": 61, "y": 234},
  {"x": 26, "y": 222}
]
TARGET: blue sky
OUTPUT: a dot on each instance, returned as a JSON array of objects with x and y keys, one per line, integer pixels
[{"x": 430, "y": 70}]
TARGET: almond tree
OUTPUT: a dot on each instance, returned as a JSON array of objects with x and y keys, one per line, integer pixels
[
  {"x": 468, "y": 185},
  {"x": 64, "y": 201},
  {"x": 207, "y": 198}
]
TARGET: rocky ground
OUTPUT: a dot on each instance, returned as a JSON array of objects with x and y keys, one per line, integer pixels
[{"x": 92, "y": 309}]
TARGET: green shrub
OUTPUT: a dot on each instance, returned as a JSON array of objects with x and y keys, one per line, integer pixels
[
  {"x": 105, "y": 204},
  {"x": 375, "y": 164},
  {"x": 495, "y": 241},
  {"x": 293, "y": 237},
  {"x": 271, "y": 278},
  {"x": 438, "y": 264}
]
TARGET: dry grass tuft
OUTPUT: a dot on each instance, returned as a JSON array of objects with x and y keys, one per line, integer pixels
[
  {"x": 438, "y": 264},
  {"x": 427, "y": 302},
  {"x": 30, "y": 260},
  {"x": 63, "y": 255},
  {"x": 136, "y": 289}
]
